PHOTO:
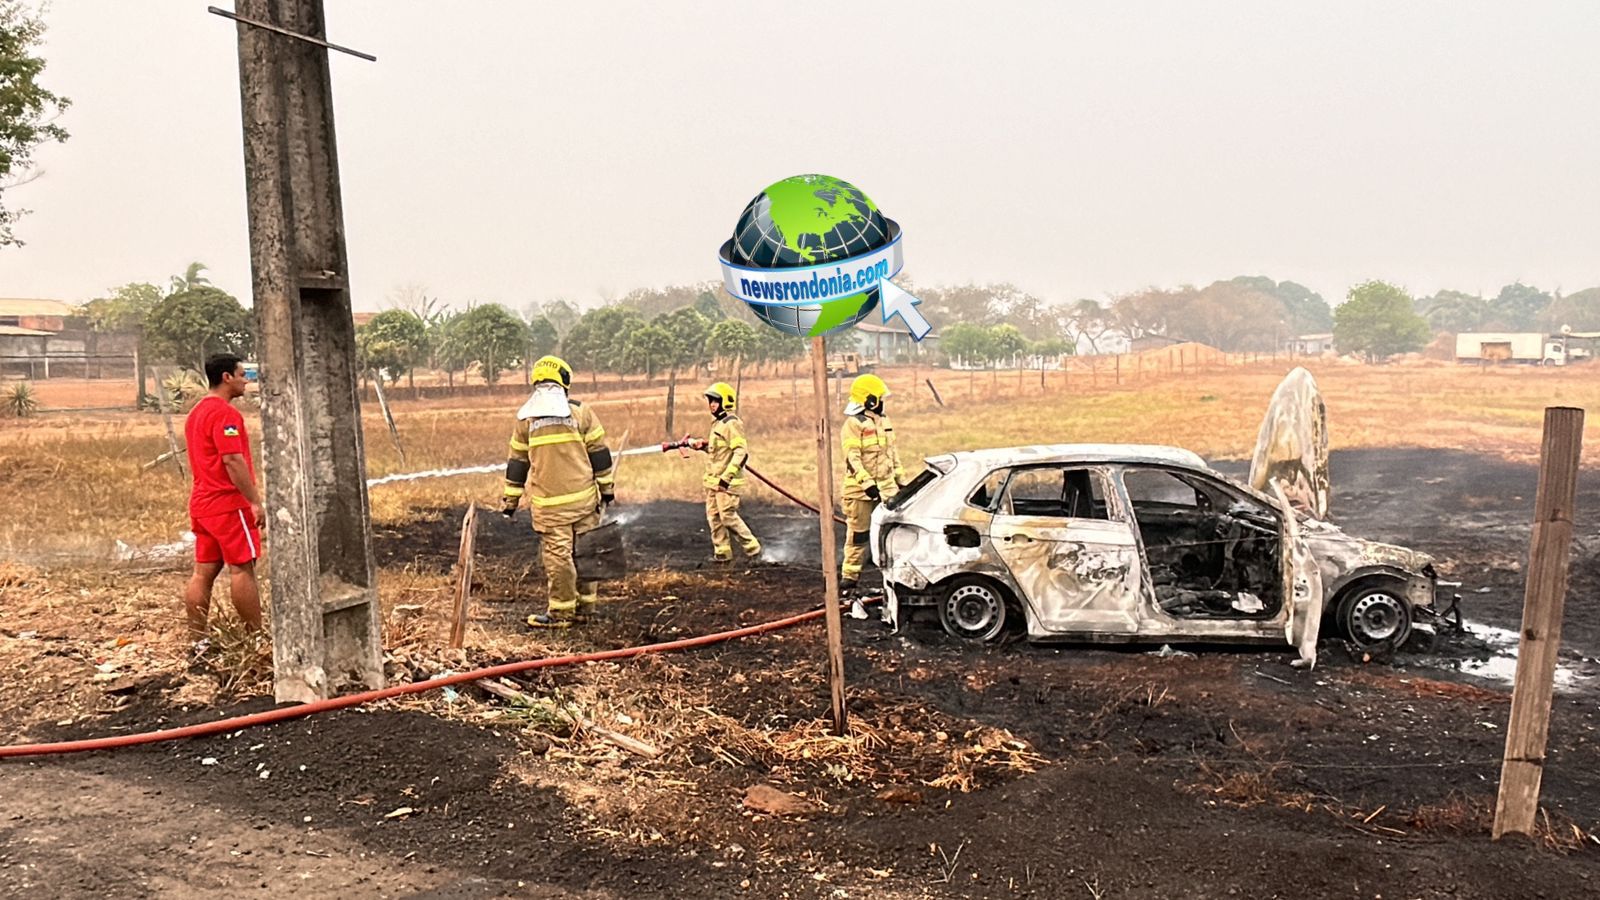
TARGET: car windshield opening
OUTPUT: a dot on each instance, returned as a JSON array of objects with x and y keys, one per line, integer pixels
[{"x": 1210, "y": 553}]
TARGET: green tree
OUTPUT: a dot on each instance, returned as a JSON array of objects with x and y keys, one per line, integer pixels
[
  {"x": 1051, "y": 347},
  {"x": 1086, "y": 320},
  {"x": 1456, "y": 311},
  {"x": 561, "y": 314},
  {"x": 28, "y": 112},
  {"x": 543, "y": 338},
  {"x": 124, "y": 309},
  {"x": 689, "y": 331},
  {"x": 445, "y": 350},
  {"x": 193, "y": 277},
  {"x": 188, "y": 326},
  {"x": 491, "y": 336},
  {"x": 708, "y": 304},
  {"x": 1006, "y": 342},
  {"x": 1519, "y": 305},
  {"x": 1378, "y": 320},
  {"x": 733, "y": 340},
  {"x": 597, "y": 340},
  {"x": 969, "y": 343},
  {"x": 1579, "y": 311},
  {"x": 395, "y": 342},
  {"x": 648, "y": 349},
  {"x": 124, "y": 312}
]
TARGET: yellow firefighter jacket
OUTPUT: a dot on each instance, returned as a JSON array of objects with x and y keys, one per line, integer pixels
[
  {"x": 567, "y": 465},
  {"x": 726, "y": 453},
  {"x": 870, "y": 456}
]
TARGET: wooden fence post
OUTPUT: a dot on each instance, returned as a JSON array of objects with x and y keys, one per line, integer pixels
[
  {"x": 1542, "y": 605},
  {"x": 469, "y": 538},
  {"x": 830, "y": 563}
]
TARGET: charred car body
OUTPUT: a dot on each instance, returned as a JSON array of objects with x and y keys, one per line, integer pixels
[{"x": 1144, "y": 543}]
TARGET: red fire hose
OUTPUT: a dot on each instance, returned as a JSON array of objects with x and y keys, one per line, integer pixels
[
  {"x": 222, "y": 726},
  {"x": 689, "y": 443}
]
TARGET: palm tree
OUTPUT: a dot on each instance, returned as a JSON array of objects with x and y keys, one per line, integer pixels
[{"x": 190, "y": 279}]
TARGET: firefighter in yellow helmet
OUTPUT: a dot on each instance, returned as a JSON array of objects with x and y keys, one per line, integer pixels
[
  {"x": 872, "y": 469},
  {"x": 726, "y": 455},
  {"x": 559, "y": 460}
]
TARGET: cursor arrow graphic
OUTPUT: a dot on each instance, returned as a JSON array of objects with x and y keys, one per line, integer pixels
[{"x": 894, "y": 301}]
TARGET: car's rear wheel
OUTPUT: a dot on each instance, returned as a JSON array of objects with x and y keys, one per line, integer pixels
[
  {"x": 974, "y": 609},
  {"x": 1375, "y": 616}
]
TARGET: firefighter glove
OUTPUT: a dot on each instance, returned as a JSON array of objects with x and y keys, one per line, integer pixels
[
  {"x": 608, "y": 499},
  {"x": 722, "y": 485},
  {"x": 508, "y": 506},
  {"x": 873, "y": 493}
]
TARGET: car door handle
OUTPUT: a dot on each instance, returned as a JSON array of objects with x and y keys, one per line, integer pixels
[{"x": 1018, "y": 538}]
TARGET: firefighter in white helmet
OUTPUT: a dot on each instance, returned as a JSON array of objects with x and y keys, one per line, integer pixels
[
  {"x": 872, "y": 470},
  {"x": 727, "y": 452},
  {"x": 560, "y": 462}
]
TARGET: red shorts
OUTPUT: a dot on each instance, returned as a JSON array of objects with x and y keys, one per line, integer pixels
[{"x": 229, "y": 538}]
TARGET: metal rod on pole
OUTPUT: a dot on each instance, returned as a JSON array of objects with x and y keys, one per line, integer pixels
[{"x": 268, "y": 26}]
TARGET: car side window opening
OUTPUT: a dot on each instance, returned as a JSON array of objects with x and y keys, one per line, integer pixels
[
  {"x": 1210, "y": 553},
  {"x": 989, "y": 489},
  {"x": 1055, "y": 492}
]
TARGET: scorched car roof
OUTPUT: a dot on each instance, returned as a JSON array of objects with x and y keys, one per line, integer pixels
[{"x": 1154, "y": 454}]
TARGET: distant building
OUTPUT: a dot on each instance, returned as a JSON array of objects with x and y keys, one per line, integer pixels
[
  {"x": 34, "y": 315},
  {"x": 46, "y": 339},
  {"x": 883, "y": 345},
  {"x": 1309, "y": 344}
]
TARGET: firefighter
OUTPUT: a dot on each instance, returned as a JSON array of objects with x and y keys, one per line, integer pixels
[
  {"x": 872, "y": 470},
  {"x": 560, "y": 461},
  {"x": 726, "y": 455}
]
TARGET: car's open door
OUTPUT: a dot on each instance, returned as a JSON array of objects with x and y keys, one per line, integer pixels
[
  {"x": 1302, "y": 583},
  {"x": 1075, "y": 560}
]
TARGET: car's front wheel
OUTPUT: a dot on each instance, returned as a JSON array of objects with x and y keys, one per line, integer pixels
[
  {"x": 974, "y": 609},
  {"x": 1375, "y": 617}
]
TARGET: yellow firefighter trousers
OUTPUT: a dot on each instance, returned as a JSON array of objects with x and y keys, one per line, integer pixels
[
  {"x": 722, "y": 514},
  {"x": 567, "y": 596},
  {"x": 857, "y": 534}
]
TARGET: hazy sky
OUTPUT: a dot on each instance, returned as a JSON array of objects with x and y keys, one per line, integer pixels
[{"x": 522, "y": 151}]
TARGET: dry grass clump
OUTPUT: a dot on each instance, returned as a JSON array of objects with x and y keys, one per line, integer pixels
[{"x": 1462, "y": 814}]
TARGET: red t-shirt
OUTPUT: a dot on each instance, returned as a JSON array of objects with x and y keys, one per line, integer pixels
[{"x": 215, "y": 428}]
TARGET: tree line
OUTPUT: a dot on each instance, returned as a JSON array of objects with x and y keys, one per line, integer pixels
[{"x": 692, "y": 328}]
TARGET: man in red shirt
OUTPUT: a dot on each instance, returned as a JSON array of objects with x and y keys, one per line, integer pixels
[{"x": 224, "y": 507}]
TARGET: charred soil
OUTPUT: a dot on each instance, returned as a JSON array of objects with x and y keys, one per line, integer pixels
[{"x": 1008, "y": 771}]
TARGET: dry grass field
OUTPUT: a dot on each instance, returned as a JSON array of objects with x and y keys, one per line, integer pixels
[{"x": 74, "y": 484}]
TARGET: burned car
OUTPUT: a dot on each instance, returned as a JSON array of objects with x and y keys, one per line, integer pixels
[{"x": 1126, "y": 542}]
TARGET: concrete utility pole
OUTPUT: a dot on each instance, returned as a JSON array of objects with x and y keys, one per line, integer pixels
[{"x": 326, "y": 627}]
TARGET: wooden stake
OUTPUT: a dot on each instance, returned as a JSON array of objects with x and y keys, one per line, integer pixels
[
  {"x": 1542, "y": 605},
  {"x": 935, "y": 391},
  {"x": 830, "y": 561},
  {"x": 388, "y": 417},
  {"x": 469, "y": 535},
  {"x": 166, "y": 419}
]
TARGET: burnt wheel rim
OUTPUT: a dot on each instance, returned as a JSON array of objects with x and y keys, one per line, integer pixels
[
  {"x": 1376, "y": 618},
  {"x": 973, "y": 610}
]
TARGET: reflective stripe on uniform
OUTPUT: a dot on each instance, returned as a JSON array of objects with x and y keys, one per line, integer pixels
[
  {"x": 518, "y": 446},
  {"x": 513, "y": 491},
  {"x": 596, "y": 434},
  {"x": 852, "y": 443},
  {"x": 565, "y": 437},
  {"x": 563, "y": 499}
]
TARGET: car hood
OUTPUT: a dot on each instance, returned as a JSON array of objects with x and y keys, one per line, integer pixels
[{"x": 1330, "y": 543}]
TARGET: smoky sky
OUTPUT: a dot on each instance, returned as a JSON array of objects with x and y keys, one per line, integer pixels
[{"x": 516, "y": 152}]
